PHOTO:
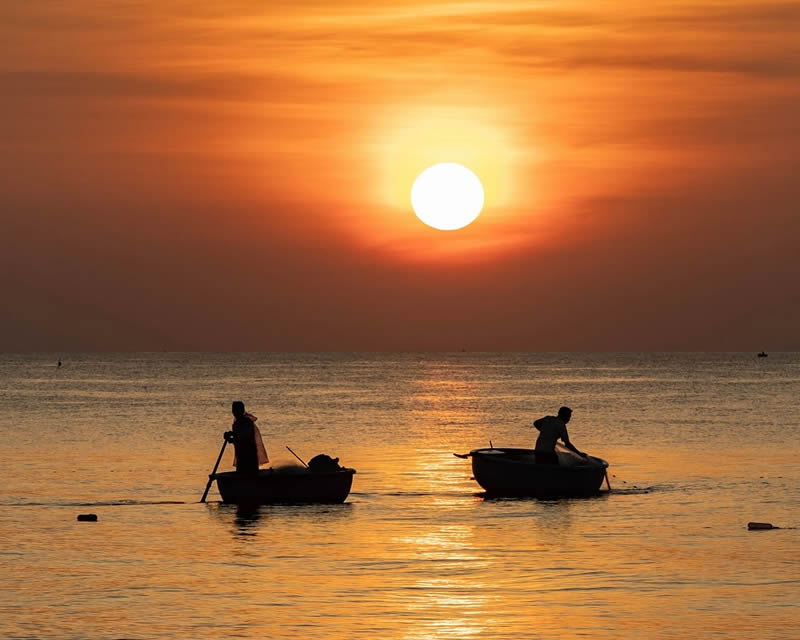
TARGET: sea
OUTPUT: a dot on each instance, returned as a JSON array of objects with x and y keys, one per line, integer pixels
[{"x": 698, "y": 446}]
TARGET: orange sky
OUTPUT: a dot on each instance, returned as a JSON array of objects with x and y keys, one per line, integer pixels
[{"x": 180, "y": 177}]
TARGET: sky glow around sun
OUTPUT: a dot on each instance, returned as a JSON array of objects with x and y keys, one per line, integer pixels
[{"x": 285, "y": 138}]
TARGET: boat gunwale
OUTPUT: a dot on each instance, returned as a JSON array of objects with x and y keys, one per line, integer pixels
[
  {"x": 515, "y": 455},
  {"x": 269, "y": 472}
]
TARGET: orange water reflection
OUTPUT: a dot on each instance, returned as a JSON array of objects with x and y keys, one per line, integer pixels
[
  {"x": 453, "y": 605},
  {"x": 416, "y": 552}
]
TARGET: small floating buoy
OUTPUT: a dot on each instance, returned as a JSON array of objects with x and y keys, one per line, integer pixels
[
  {"x": 87, "y": 517},
  {"x": 760, "y": 525}
]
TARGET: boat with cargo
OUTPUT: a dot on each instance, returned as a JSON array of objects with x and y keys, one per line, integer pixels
[{"x": 286, "y": 484}]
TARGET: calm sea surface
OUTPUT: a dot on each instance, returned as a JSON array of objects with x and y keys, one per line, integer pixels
[{"x": 699, "y": 445}]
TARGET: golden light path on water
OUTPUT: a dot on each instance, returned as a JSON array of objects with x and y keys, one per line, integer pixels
[{"x": 416, "y": 552}]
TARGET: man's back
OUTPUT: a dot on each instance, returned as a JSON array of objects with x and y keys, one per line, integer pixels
[
  {"x": 245, "y": 443},
  {"x": 551, "y": 428}
]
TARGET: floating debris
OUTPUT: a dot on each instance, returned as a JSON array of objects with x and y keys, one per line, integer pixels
[
  {"x": 760, "y": 526},
  {"x": 87, "y": 517}
]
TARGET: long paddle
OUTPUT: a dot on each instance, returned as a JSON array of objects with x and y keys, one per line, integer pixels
[{"x": 211, "y": 476}]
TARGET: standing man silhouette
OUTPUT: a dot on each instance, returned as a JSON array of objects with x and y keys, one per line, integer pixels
[{"x": 246, "y": 439}]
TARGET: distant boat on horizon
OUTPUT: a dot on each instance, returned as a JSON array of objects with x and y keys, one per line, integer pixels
[{"x": 763, "y": 354}]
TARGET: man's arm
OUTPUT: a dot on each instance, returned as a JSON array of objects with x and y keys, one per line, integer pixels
[
  {"x": 538, "y": 423},
  {"x": 571, "y": 446}
]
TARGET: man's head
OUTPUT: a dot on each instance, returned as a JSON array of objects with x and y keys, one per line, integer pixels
[
  {"x": 565, "y": 413},
  {"x": 238, "y": 408}
]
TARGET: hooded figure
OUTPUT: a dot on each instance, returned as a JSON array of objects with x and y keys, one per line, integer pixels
[{"x": 249, "y": 451}]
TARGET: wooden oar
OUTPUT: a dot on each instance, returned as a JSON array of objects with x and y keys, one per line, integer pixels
[
  {"x": 211, "y": 476},
  {"x": 299, "y": 458}
]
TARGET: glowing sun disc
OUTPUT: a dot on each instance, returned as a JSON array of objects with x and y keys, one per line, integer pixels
[{"x": 447, "y": 196}]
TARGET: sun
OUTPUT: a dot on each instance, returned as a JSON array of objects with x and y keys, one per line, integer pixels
[{"x": 447, "y": 196}]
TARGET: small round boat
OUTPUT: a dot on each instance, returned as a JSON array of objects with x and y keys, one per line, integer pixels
[
  {"x": 285, "y": 485},
  {"x": 516, "y": 472}
]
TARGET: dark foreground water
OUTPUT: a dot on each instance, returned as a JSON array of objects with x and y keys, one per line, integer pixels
[{"x": 699, "y": 444}]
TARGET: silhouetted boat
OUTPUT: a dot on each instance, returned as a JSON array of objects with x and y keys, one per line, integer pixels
[
  {"x": 515, "y": 472},
  {"x": 763, "y": 354},
  {"x": 290, "y": 484}
]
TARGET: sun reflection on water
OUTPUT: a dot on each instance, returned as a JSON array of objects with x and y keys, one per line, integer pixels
[
  {"x": 452, "y": 604},
  {"x": 416, "y": 552}
]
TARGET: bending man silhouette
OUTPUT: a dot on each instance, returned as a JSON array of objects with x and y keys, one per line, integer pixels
[{"x": 551, "y": 429}]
